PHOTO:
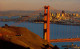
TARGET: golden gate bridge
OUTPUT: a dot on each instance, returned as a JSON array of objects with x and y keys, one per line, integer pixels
[{"x": 46, "y": 31}]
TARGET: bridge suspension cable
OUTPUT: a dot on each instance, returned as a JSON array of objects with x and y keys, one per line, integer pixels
[{"x": 32, "y": 15}]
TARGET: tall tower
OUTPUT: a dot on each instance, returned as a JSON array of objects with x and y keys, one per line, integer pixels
[
  {"x": 46, "y": 23},
  {"x": 63, "y": 13}
]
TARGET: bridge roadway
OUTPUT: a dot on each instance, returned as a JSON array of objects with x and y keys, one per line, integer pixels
[{"x": 65, "y": 40}]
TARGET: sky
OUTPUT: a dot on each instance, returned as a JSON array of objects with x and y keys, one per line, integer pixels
[{"x": 71, "y": 5}]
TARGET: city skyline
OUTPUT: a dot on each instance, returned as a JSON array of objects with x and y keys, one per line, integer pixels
[{"x": 71, "y": 5}]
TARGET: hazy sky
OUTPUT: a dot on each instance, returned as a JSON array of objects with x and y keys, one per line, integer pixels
[{"x": 72, "y": 5}]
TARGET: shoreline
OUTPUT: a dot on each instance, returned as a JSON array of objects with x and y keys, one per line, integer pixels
[{"x": 58, "y": 23}]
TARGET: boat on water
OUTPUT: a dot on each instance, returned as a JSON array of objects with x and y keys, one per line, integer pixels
[{"x": 72, "y": 46}]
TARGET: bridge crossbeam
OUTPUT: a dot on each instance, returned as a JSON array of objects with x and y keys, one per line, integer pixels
[{"x": 65, "y": 40}]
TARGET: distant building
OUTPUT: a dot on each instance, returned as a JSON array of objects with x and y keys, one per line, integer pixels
[
  {"x": 51, "y": 16},
  {"x": 77, "y": 15},
  {"x": 63, "y": 12},
  {"x": 73, "y": 14}
]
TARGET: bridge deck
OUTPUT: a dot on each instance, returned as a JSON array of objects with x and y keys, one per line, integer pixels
[{"x": 66, "y": 40}]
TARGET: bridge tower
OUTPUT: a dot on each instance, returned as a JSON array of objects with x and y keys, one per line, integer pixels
[{"x": 46, "y": 35}]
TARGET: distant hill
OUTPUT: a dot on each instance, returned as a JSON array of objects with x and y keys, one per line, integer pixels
[
  {"x": 28, "y": 13},
  {"x": 15, "y": 13}
]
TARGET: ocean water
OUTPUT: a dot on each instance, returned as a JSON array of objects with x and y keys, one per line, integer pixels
[
  {"x": 6, "y": 17},
  {"x": 56, "y": 31}
]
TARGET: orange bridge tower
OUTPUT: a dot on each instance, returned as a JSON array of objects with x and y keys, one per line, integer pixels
[{"x": 46, "y": 35}]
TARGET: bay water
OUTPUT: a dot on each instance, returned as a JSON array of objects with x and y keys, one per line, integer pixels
[{"x": 56, "y": 31}]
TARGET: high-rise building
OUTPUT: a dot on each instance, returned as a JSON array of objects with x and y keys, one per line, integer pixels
[
  {"x": 77, "y": 15},
  {"x": 63, "y": 12}
]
